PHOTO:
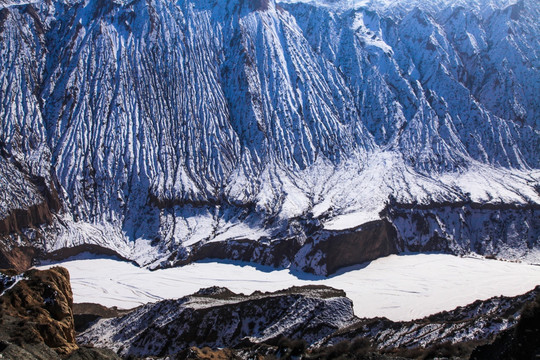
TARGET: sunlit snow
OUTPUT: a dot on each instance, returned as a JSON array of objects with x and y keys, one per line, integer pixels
[{"x": 400, "y": 287}]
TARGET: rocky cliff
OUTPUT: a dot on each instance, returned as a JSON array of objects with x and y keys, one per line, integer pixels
[
  {"x": 42, "y": 301},
  {"x": 36, "y": 317}
]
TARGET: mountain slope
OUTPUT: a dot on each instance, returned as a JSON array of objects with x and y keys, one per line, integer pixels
[
  {"x": 217, "y": 317},
  {"x": 164, "y": 126},
  {"x": 318, "y": 315}
]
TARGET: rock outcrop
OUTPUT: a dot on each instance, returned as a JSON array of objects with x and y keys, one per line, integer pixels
[
  {"x": 333, "y": 250},
  {"x": 36, "y": 318},
  {"x": 323, "y": 252},
  {"x": 38, "y": 309}
]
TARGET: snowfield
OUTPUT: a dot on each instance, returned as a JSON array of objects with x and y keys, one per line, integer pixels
[{"x": 399, "y": 287}]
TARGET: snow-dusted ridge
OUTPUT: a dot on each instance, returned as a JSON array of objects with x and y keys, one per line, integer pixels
[
  {"x": 166, "y": 126},
  {"x": 319, "y": 315},
  {"x": 480, "y": 6}
]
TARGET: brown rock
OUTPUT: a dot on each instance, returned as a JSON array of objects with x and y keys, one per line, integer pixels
[
  {"x": 18, "y": 258},
  {"x": 19, "y": 219},
  {"x": 194, "y": 353},
  {"x": 39, "y": 310}
]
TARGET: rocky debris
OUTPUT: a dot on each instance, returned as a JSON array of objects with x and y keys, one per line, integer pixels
[
  {"x": 206, "y": 353},
  {"x": 220, "y": 318},
  {"x": 32, "y": 351},
  {"x": 41, "y": 351},
  {"x": 38, "y": 310},
  {"x": 290, "y": 349},
  {"x": 91, "y": 353}
]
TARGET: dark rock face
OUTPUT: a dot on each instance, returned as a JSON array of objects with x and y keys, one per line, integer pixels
[{"x": 346, "y": 248}]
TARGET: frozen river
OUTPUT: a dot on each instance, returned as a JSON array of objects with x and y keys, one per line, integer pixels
[{"x": 399, "y": 287}]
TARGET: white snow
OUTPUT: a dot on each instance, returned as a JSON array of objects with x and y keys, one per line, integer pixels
[
  {"x": 400, "y": 287},
  {"x": 16, "y": 280},
  {"x": 351, "y": 220}
]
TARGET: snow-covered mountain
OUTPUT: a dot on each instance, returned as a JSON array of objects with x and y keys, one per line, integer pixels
[{"x": 170, "y": 131}]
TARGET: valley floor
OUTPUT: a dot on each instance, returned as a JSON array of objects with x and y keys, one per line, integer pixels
[{"x": 399, "y": 287}]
